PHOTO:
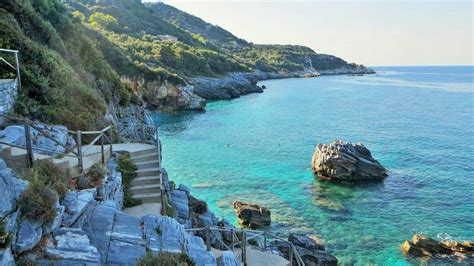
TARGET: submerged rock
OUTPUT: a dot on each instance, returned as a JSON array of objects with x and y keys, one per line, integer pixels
[
  {"x": 426, "y": 247},
  {"x": 346, "y": 162},
  {"x": 252, "y": 215}
]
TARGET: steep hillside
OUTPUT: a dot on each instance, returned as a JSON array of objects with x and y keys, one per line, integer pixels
[
  {"x": 65, "y": 78},
  {"x": 270, "y": 58}
]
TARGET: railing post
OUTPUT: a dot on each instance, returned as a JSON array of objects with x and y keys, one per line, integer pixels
[
  {"x": 265, "y": 241},
  {"x": 102, "y": 147},
  {"x": 79, "y": 151},
  {"x": 162, "y": 195},
  {"x": 244, "y": 247},
  {"x": 208, "y": 238},
  {"x": 291, "y": 254},
  {"x": 232, "y": 239},
  {"x": 29, "y": 147}
]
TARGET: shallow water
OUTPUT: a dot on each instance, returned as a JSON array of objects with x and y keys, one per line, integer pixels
[{"x": 417, "y": 121}]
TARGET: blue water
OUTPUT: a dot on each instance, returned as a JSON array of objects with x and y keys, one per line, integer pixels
[{"x": 417, "y": 121}]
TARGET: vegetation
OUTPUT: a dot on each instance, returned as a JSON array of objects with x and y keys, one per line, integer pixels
[
  {"x": 5, "y": 237},
  {"x": 75, "y": 55},
  {"x": 165, "y": 259},
  {"x": 38, "y": 203},
  {"x": 93, "y": 178},
  {"x": 128, "y": 170},
  {"x": 49, "y": 175},
  {"x": 196, "y": 205}
]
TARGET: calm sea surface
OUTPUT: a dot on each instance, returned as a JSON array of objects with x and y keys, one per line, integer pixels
[{"x": 417, "y": 121}]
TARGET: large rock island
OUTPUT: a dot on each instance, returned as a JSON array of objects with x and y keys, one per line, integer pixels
[{"x": 346, "y": 162}]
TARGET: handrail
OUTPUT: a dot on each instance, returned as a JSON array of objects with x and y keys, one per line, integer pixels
[{"x": 293, "y": 252}]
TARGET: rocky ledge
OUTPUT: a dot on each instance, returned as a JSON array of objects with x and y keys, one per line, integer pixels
[
  {"x": 346, "y": 162},
  {"x": 252, "y": 215},
  {"x": 228, "y": 87},
  {"x": 425, "y": 247}
]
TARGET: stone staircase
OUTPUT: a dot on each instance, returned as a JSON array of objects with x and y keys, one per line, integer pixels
[{"x": 146, "y": 186}]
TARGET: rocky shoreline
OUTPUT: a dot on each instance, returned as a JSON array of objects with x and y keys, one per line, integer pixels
[{"x": 193, "y": 97}]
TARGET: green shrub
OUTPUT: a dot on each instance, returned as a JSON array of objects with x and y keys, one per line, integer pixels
[
  {"x": 165, "y": 259},
  {"x": 128, "y": 170},
  {"x": 97, "y": 174},
  {"x": 196, "y": 205},
  {"x": 169, "y": 210},
  {"x": 38, "y": 202},
  {"x": 48, "y": 174},
  {"x": 5, "y": 237}
]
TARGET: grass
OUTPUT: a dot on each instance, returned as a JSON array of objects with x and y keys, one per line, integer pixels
[
  {"x": 165, "y": 259},
  {"x": 5, "y": 237}
]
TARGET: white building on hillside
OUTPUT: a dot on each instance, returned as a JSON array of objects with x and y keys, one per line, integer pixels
[{"x": 167, "y": 38}]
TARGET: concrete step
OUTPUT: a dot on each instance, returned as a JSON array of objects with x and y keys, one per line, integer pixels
[
  {"x": 148, "y": 172},
  {"x": 146, "y": 158},
  {"x": 146, "y": 180},
  {"x": 142, "y": 153},
  {"x": 147, "y": 165},
  {"x": 154, "y": 188},
  {"x": 148, "y": 197}
]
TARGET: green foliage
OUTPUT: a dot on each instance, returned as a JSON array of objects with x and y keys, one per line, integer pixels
[
  {"x": 99, "y": 19},
  {"x": 65, "y": 78},
  {"x": 49, "y": 175},
  {"x": 196, "y": 205},
  {"x": 165, "y": 259},
  {"x": 5, "y": 237},
  {"x": 169, "y": 210},
  {"x": 128, "y": 170},
  {"x": 97, "y": 174},
  {"x": 37, "y": 202}
]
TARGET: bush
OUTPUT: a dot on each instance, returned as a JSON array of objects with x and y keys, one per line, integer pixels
[
  {"x": 197, "y": 206},
  {"x": 5, "y": 237},
  {"x": 38, "y": 203},
  {"x": 48, "y": 174},
  {"x": 97, "y": 174},
  {"x": 128, "y": 170},
  {"x": 165, "y": 259}
]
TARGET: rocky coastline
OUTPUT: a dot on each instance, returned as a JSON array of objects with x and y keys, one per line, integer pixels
[{"x": 193, "y": 97}]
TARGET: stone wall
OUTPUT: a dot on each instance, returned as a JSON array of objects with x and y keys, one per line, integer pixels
[{"x": 8, "y": 92}]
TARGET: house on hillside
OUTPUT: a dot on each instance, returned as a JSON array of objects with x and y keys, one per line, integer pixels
[{"x": 167, "y": 38}]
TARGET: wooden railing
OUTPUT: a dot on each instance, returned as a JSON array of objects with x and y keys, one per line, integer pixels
[
  {"x": 101, "y": 138},
  {"x": 242, "y": 242}
]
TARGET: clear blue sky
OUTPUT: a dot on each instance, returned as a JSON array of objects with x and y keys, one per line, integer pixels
[{"x": 368, "y": 32}]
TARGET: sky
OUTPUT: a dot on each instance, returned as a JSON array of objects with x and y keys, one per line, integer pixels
[{"x": 373, "y": 33}]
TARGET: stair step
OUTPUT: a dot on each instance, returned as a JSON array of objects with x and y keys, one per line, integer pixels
[
  {"x": 148, "y": 172},
  {"x": 146, "y": 180},
  {"x": 148, "y": 197},
  {"x": 145, "y": 158},
  {"x": 155, "y": 188},
  {"x": 143, "y": 153},
  {"x": 147, "y": 165}
]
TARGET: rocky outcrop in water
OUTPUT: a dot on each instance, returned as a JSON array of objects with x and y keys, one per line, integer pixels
[
  {"x": 312, "y": 250},
  {"x": 252, "y": 215},
  {"x": 346, "y": 162},
  {"x": 425, "y": 247},
  {"x": 227, "y": 87}
]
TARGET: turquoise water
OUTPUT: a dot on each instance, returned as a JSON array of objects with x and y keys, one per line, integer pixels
[{"x": 417, "y": 121}]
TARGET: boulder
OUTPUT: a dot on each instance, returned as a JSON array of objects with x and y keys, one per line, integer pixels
[
  {"x": 312, "y": 251},
  {"x": 228, "y": 259},
  {"x": 252, "y": 215},
  {"x": 6, "y": 257},
  {"x": 11, "y": 188},
  {"x": 196, "y": 249},
  {"x": 76, "y": 204},
  {"x": 72, "y": 246},
  {"x": 346, "y": 162},
  {"x": 58, "y": 219},
  {"x": 179, "y": 200},
  {"x": 426, "y": 247},
  {"x": 29, "y": 234},
  {"x": 163, "y": 233}
]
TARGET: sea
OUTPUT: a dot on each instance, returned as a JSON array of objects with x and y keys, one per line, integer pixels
[{"x": 417, "y": 121}]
